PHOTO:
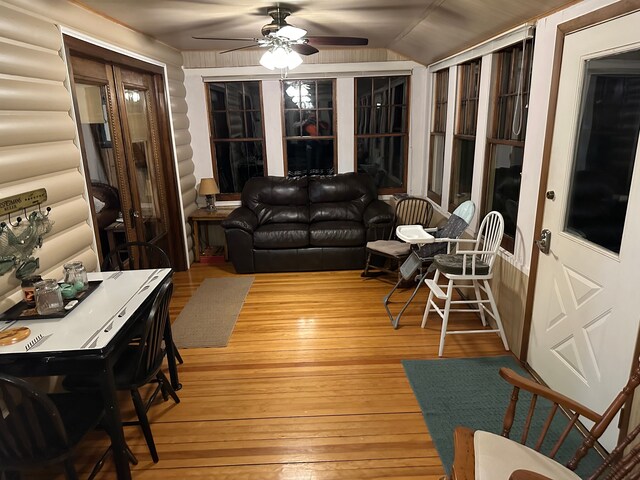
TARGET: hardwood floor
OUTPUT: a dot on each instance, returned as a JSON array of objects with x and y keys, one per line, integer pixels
[{"x": 309, "y": 387}]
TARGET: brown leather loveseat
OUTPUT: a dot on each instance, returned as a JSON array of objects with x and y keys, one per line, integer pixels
[{"x": 303, "y": 224}]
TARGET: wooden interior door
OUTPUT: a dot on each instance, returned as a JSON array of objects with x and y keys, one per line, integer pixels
[
  {"x": 126, "y": 150},
  {"x": 585, "y": 317},
  {"x": 146, "y": 204}
]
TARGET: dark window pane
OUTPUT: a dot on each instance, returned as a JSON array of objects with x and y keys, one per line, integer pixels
[
  {"x": 364, "y": 119},
  {"x": 383, "y": 159},
  {"x": 325, "y": 94},
  {"x": 308, "y": 94},
  {"x": 309, "y": 157},
  {"x": 238, "y": 162},
  {"x": 380, "y": 120},
  {"x": 605, "y": 151},
  {"x": 216, "y": 91},
  {"x": 462, "y": 172},
  {"x": 254, "y": 124},
  {"x": 398, "y": 120},
  {"x": 503, "y": 189},
  {"x": 325, "y": 127},
  {"x": 436, "y": 164},
  {"x": 236, "y": 124},
  {"x": 252, "y": 96},
  {"x": 363, "y": 91},
  {"x": 399, "y": 90},
  {"x": 292, "y": 123},
  {"x": 221, "y": 130},
  {"x": 381, "y": 91},
  {"x": 234, "y": 96}
]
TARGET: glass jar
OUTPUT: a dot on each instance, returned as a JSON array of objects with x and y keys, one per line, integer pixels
[
  {"x": 28, "y": 289},
  {"x": 48, "y": 297},
  {"x": 75, "y": 274}
]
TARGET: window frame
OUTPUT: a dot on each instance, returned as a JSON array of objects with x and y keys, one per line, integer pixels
[
  {"x": 465, "y": 126},
  {"x": 283, "y": 120},
  {"x": 493, "y": 137},
  {"x": 405, "y": 134},
  {"x": 438, "y": 126},
  {"x": 213, "y": 140}
]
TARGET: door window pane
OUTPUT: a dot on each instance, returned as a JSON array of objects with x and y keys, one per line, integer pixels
[
  {"x": 146, "y": 180},
  {"x": 605, "y": 150}
]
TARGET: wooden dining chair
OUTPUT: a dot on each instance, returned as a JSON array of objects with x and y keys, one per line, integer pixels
[
  {"x": 138, "y": 256},
  {"x": 481, "y": 455},
  {"x": 387, "y": 255},
  {"x": 39, "y": 430},
  {"x": 140, "y": 365}
]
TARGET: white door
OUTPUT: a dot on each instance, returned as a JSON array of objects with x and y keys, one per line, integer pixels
[{"x": 587, "y": 295}]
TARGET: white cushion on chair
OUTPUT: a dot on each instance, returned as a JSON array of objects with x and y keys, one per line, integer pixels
[
  {"x": 498, "y": 457},
  {"x": 390, "y": 247}
]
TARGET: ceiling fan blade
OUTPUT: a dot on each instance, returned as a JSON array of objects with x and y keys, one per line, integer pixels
[
  {"x": 329, "y": 40},
  {"x": 239, "y": 48},
  {"x": 225, "y": 39},
  {"x": 304, "y": 49}
]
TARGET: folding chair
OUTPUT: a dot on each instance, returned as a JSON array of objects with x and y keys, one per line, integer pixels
[{"x": 421, "y": 258}]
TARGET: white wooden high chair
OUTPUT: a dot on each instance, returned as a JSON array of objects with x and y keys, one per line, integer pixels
[{"x": 466, "y": 269}]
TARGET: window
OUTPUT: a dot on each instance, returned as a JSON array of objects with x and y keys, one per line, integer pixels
[
  {"x": 237, "y": 135},
  {"x": 465, "y": 134},
  {"x": 507, "y": 135},
  {"x": 438, "y": 130},
  {"x": 381, "y": 130},
  {"x": 309, "y": 127}
]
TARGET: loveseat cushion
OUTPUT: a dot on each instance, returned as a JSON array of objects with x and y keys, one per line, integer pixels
[
  {"x": 281, "y": 235},
  {"x": 341, "y": 197},
  {"x": 277, "y": 199},
  {"x": 337, "y": 234}
]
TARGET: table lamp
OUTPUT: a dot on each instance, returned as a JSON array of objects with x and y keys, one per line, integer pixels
[{"x": 209, "y": 188}]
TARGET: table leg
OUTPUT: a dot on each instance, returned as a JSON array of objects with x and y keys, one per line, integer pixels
[
  {"x": 171, "y": 357},
  {"x": 196, "y": 240},
  {"x": 113, "y": 422}
]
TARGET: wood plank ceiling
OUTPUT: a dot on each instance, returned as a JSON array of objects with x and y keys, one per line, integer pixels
[{"x": 422, "y": 30}]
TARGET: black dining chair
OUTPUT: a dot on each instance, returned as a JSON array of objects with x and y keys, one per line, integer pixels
[
  {"x": 139, "y": 365},
  {"x": 39, "y": 430},
  {"x": 137, "y": 256}
]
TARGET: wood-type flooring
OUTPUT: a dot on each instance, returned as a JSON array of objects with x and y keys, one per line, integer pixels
[{"x": 310, "y": 387}]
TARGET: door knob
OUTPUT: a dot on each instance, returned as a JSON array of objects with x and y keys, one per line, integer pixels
[{"x": 544, "y": 243}]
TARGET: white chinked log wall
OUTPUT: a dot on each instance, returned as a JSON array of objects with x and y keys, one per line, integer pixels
[{"x": 38, "y": 138}]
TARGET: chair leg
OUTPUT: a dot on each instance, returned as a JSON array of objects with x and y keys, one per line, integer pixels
[
  {"x": 70, "y": 469},
  {"x": 445, "y": 318},
  {"x": 429, "y": 300},
  {"x": 166, "y": 384},
  {"x": 496, "y": 314},
  {"x": 176, "y": 352},
  {"x": 476, "y": 289},
  {"x": 366, "y": 266},
  {"x": 144, "y": 423}
]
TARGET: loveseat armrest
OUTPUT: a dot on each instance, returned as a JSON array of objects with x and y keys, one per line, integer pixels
[
  {"x": 378, "y": 212},
  {"x": 241, "y": 218},
  {"x": 378, "y": 219}
]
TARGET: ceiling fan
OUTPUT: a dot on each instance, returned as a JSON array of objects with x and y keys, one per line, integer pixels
[{"x": 284, "y": 41}]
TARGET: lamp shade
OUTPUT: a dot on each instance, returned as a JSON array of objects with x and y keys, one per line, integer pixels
[{"x": 208, "y": 186}]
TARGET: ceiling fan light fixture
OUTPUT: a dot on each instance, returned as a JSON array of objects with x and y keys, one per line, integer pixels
[
  {"x": 280, "y": 57},
  {"x": 291, "y": 32}
]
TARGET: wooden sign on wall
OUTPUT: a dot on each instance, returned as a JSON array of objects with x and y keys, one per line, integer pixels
[{"x": 22, "y": 201}]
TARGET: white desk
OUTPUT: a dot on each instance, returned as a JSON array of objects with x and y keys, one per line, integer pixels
[{"x": 89, "y": 340}]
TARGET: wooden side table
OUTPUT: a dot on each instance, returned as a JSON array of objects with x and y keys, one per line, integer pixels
[
  {"x": 113, "y": 230},
  {"x": 202, "y": 215}
]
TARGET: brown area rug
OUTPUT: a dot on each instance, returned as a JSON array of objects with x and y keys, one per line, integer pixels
[{"x": 208, "y": 318}]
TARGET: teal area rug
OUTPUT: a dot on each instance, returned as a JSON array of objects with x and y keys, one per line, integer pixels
[{"x": 471, "y": 392}]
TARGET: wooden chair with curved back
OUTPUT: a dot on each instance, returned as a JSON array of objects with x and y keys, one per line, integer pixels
[
  {"x": 39, "y": 430},
  {"x": 408, "y": 211},
  {"x": 137, "y": 256},
  {"x": 482, "y": 455}
]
